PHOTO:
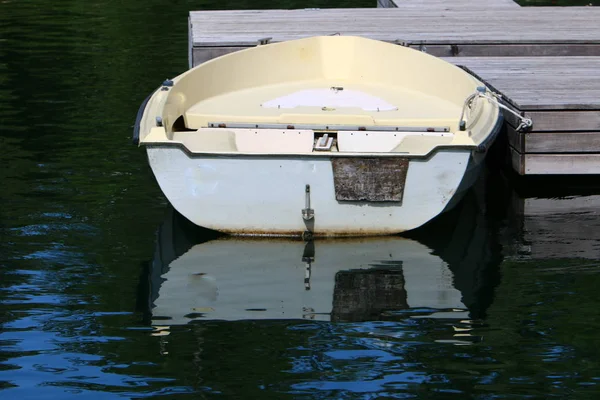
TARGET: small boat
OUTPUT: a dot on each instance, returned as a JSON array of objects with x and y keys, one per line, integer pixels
[{"x": 325, "y": 136}]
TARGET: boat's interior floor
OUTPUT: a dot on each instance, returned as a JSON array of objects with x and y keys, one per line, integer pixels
[{"x": 324, "y": 101}]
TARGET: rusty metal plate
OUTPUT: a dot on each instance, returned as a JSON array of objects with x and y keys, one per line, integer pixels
[{"x": 369, "y": 179}]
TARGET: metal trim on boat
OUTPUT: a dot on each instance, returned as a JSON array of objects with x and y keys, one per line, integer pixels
[{"x": 333, "y": 127}]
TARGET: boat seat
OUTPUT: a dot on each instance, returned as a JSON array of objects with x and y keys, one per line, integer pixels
[
  {"x": 386, "y": 142},
  {"x": 218, "y": 142},
  {"x": 290, "y": 141},
  {"x": 284, "y": 141},
  {"x": 417, "y": 144}
]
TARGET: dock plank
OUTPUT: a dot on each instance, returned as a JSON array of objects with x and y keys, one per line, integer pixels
[
  {"x": 522, "y": 25},
  {"x": 449, "y": 5},
  {"x": 568, "y": 120},
  {"x": 554, "y": 142},
  {"x": 560, "y": 120},
  {"x": 542, "y": 83},
  {"x": 556, "y": 164}
]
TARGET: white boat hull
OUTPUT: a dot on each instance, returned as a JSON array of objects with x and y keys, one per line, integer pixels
[{"x": 267, "y": 195}]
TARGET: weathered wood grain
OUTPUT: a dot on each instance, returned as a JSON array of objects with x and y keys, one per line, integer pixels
[
  {"x": 517, "y": 161},
  {"x": 515, "y": 140},
  {"x": 449, "y": 5},
  {"x": 541, "y": 83},
  {"x": 201, "y": 55},
  {"x": 510, "y": 50},
  {"x": 562, "y": 142},
  {"x": 554, "y": 142},
  {"x": 560, "y": 120},
  {"x": 519, "y": 25},
  {"x": 559, "y": 164}
]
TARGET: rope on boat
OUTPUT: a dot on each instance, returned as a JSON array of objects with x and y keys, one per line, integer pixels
[{"x": 525, "y": 123}]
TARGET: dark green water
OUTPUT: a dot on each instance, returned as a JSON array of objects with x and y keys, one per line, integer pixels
[{"x": 85, "y": 235}]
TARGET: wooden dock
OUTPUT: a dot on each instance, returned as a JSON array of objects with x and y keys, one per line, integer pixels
[{"x": 544, "y": 61}]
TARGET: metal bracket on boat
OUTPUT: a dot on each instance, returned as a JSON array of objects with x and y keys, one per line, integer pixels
[
  {"x": 525, "y": 125},
  {"x": 159, "y": 121},
  {"x": 263, "y": 41},
  {"x": 307, "y": 213},
  {"x": 454, "y": 49},
  {"x": 167, "y": 84},
  {"x": 324, "y": 143}
]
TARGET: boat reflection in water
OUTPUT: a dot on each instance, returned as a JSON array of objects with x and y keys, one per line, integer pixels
[
  {"x": 234, "y": 278},
  {"x": 197, "y": 275}
]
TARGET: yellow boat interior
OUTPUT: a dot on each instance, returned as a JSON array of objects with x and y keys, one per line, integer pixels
[{"x": 335, "y": 94}]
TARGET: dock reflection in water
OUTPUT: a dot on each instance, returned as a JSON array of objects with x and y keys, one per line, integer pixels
[
  {"x": 558, "y": 227},
  {"x": 198, "y": 275}
]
